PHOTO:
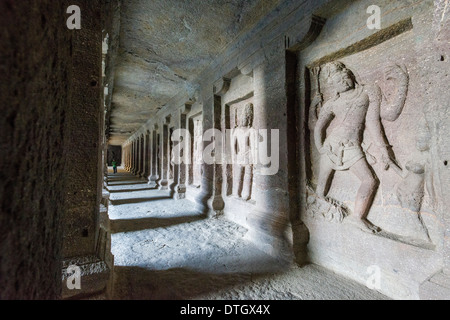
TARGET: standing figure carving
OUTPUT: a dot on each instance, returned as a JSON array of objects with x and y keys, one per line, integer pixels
[
  {"x": 197, "y": 153},
  {"x": 243, "y": 148},
  {"x": 354, "y": 109}
]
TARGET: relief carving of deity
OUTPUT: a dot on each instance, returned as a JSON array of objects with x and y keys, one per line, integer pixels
[
  {"x": 243, "y": 148},
  {"x": 354, "y": 109}
]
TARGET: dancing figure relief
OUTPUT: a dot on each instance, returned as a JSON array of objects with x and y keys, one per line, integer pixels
[{"x": 354, "y": 109}]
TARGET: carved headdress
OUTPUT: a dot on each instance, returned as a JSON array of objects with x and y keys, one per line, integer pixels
[{"x": 331, "y": 68}]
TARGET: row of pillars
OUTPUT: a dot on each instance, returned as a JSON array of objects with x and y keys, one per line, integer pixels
[{"x": 149, "y": 156}]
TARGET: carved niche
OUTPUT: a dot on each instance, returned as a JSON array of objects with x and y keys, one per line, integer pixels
[
  {"x": 242, "y": 148},
  {"x": 196, "y": 131}
]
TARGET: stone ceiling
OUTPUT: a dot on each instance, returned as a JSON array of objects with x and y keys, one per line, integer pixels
[{"x": 163, "y": 47}]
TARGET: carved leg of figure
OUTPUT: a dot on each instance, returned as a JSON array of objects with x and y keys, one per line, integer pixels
[
  {"x": 247, "y": 183},
  {"x": 238, "y": 180},
  {"x": 365, "y": 195},
  {"x": 326, "y": 170}
]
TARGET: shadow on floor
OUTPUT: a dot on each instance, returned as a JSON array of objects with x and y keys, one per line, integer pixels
[
  {"x": 138, "y": 200},
  {"x": 128, "y": 225},
  {"x": 136, "y": 283},
  {"x": 130, "y": 190},
  {"x": 128, "y": 183}
]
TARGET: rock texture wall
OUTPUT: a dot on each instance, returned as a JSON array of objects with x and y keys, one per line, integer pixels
[
  {"x": 35, "y": 62},
  {"x": 114, "y": 152}
]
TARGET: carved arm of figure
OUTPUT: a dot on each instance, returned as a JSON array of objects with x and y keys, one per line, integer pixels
[
  {"x": 375, "y": 127},
  {"x": 317, "y": 100},
  {"x": 325, "y": 117},
  {"x": 315, "y": 107},
  {"x": 391, "y": 110}
]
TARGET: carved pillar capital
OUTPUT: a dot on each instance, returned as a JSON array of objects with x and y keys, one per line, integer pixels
[{"x": 221, "y": 86}]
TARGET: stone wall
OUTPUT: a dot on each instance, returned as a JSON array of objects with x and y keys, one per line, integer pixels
[
  {"x": 114, "y": 152},
  {"x": 36, "y": 66}
]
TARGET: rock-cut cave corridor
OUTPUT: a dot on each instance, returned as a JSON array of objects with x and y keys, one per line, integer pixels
[
  {"x": 224, "y": 150},
  {"x": 166, "y": 249}
]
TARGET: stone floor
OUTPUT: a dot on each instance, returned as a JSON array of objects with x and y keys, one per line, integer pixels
[{"x": 165, "y": 249}]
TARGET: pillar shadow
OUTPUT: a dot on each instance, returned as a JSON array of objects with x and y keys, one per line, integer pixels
[
  {"x": 131, "y": 190},
  {"x": 127, "y": 183},
  {"x": 137, "y": 283},
  {"x": 138, "y": 200},
  {"x": 128, "y": 225}
]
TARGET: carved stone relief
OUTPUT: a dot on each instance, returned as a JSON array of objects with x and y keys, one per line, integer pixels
[
  {"x": 243, "y": 146},
  {"x": 339, "y": 125},
  {"x": 197, "y": 150},
  {"x": 348, "y": 136}
]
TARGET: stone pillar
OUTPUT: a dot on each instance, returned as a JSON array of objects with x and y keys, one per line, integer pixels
[
  {"x": 216, "y": 203},
  {"x": 271, "y": 229},
  {"x": 142, "y": 155},
  {"x": 180, "y": 188},
  {"x": 139, "y": 156},
  {"x": 130, "y": 152},
  {"x": 147, "y": 155},
  {"x": 210, "y": 199},
  {"x": 135, "y": 157},
  {"x": 128, "y": 156},
  {"x": 133, "y": 148},
  {"x": 152, "y": 179},
  {"x": 207, "y": 169},
  {"x": 85, "y": 238},
  {"x": 125, "y": 159},
  {"x": 164, "y": 183},
  {"x": 172, "y": 169}
]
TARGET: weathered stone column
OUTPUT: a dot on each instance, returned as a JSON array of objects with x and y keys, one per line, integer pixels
[
  {"x": 270, "y": 218},
  {"x": 85, "y": 237},
  {"x": 180, "y": 188},
  {"x": 126, "y": 157},
  {"x": 147, "y": 155},
  {"x": 136, "y": 154},
  {"x": 130, "y": 151},
  {"x": 152, "y": 179},
  {"x": 210, "y": 199},
  {"x": 133, "y": 158},
  {"x": 142, "y": 156},
  {"x": 207, "y": 169},
  {"x": 139, "y": 156},
  {"x": 164, "y": 183}
]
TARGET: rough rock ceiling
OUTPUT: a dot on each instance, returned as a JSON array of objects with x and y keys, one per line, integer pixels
[{"x": 164, "y": 45}]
